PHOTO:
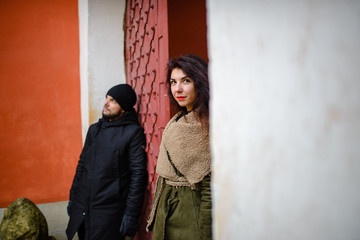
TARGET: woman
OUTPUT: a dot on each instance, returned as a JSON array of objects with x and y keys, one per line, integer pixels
[{"x": 182, "y": 201}]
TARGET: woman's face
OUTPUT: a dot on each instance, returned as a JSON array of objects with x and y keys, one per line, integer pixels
[{"x": 182, "y": 88}]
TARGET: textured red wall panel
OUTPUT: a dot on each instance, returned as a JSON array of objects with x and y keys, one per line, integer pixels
[{"x": 146, "y": 57}]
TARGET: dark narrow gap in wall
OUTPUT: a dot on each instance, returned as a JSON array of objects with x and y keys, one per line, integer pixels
[{"x": 187, "y": 29}]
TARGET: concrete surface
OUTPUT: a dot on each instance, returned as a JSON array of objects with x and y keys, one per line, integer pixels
[{"x": 56, "y": 217}]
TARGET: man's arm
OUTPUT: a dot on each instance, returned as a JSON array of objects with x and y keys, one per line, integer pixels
[{"x": 138, "y": 182}]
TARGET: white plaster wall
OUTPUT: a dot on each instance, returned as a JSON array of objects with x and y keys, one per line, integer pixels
[
  {"x": 285, "y": 118},
  {"x": 83, "y": 37},
  {"x": 102, "y": 53}
]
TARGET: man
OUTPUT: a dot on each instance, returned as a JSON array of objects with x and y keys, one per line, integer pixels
[{"x": 108, "y": 189}]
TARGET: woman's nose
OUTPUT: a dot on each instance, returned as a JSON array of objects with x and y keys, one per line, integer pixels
[{"x": 178, "y": 87}]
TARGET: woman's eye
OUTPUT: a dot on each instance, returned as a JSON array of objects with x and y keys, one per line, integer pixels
[
  {"x": 172, "y": 82},
  {"x": 186, "y": 80}
]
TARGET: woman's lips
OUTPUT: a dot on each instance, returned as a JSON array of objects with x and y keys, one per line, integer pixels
[{"x": 180, "y": 98}]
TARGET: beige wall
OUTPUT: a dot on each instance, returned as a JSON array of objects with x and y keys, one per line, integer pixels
[
  {"x": 285, "y": 114},
  {"x": 101, "y": 54}
]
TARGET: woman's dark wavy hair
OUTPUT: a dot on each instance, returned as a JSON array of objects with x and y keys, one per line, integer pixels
[{"x": 196, "y": 69}]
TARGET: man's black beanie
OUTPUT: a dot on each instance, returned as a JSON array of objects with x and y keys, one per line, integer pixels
[{"x": 124, "y": 95}]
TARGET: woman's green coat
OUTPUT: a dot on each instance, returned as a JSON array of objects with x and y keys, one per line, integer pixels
[{"x": 181, "y": 207}]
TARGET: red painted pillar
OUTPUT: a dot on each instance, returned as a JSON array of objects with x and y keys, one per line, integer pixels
[{"x": 146, "y": 57}]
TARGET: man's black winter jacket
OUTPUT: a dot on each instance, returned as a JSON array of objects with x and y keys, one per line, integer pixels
[{"x": 110, "y": 178}]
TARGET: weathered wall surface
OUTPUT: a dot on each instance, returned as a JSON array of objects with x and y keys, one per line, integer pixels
[
  {"x": 285, "y": 114},
  {"x": 40, "y": 125},
  {"x": 105, "y": 65}
]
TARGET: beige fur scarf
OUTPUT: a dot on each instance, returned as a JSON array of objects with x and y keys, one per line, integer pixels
[{"x": 187, "y": 143}]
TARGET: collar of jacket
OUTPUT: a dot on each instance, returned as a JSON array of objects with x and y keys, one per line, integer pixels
[{"x": 129, "y": 117}]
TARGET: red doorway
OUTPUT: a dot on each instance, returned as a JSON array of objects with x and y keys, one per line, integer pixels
[{"x": 156, "y": 30}]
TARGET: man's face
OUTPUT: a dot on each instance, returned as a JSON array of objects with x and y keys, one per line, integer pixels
[{"x": 112, "y": 109}]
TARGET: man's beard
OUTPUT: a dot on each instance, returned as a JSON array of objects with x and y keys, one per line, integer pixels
[{"x": 112, "y": 115}]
